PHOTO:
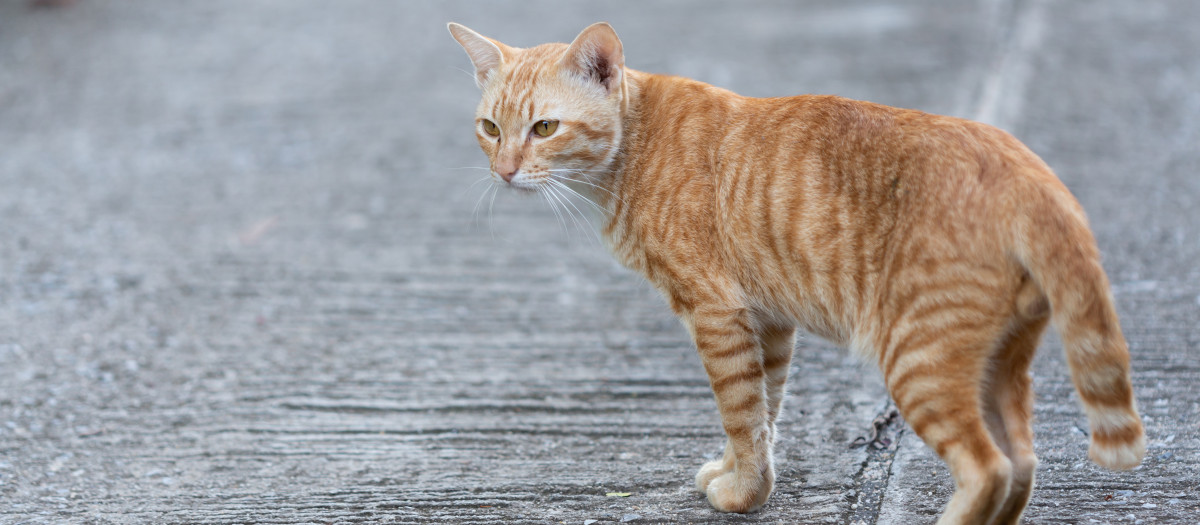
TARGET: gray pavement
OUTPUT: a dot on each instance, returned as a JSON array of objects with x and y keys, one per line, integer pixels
[{"x": 241, "y": 280}]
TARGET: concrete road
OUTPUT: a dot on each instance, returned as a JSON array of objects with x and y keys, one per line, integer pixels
[{"x": 244, "y": 277}]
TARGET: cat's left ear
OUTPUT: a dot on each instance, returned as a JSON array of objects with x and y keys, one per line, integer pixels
[
  {"x": 596, "y": 54},
  {"x": 485, "y": 53}
]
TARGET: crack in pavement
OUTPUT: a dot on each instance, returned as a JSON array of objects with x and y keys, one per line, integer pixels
[{"x": 871, "y": 481}]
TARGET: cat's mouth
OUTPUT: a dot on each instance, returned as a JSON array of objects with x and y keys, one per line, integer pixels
[{"x": 526, "y": 182}]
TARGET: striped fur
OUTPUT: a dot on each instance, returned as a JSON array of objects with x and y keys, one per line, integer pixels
[{"x": 936, "y": 247}]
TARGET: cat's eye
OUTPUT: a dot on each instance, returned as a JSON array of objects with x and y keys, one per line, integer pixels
[
  {"x": 545, "y": 128},
  {"x": 490, "y": 128}
]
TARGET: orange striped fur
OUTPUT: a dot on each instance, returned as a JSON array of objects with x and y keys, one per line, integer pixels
[{"x": 937, "y": 247}]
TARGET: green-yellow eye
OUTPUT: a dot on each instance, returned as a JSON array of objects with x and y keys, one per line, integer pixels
[
  {"x": 545, "y": 128},
  {"x": 490, "y": 128}
]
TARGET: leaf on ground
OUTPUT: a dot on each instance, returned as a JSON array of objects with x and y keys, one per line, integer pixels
[{"x": 618, "y": 494}]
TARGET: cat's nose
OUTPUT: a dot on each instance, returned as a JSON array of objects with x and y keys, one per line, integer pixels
[
  {"x": 507, "y": 168},
  {"x": 507, "y": 174}
]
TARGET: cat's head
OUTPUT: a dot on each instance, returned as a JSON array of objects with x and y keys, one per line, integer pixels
[{"x": 551, "y": 111}]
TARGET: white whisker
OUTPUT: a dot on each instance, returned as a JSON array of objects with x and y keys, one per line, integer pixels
[
  {"x": 579, "y": 170},
  {"x": 577, "y": 194},
  {"x": 553, "y": 207},
  {"x": 475, "y": 210},
  {"x": 491, "y": 221},
  {"x": 591, "y": 230},
  {"x": 566, "y": 211},
  {"x": 565, "y": 204},
  {"x": 601, "y": 188},
  {"x": 476, "y": 183}
]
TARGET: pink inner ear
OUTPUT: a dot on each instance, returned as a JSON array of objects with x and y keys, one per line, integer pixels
[
  {"x": 597, "y": 54},
  {"x": 597, "y": 67}
]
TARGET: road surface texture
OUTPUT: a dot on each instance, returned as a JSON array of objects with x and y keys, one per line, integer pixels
[{"x": 244, "y": 277}]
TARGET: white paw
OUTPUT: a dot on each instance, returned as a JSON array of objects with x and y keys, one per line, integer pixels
[
  {"x": 711, "y": 471},
  {"x": 732, "y": 493}
]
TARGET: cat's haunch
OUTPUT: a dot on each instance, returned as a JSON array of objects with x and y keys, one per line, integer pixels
[{"x": 935, "y": 247}]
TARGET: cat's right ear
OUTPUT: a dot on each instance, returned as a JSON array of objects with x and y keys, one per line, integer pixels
[{"x": 485, "y": 53}]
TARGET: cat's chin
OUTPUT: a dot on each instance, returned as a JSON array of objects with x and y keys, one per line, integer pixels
[
  {"x": 528, "y": 185},
  {"x": 527, "y": 188}
]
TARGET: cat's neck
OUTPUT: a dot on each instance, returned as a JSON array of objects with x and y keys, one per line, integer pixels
[
  {"x": 663, "y": 114},
  {"x": 633, "y": 115}
]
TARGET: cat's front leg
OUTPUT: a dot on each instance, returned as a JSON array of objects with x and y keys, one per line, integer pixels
[
  {"x": 715, "y": 469},
  {"x": 778, "y": 343},
  {"x": 742, "y": 480}
]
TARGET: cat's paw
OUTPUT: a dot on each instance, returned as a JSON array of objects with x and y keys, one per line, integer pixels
[
  {"x": 732, "y": 493},
  {"x": 712, "y": 470}
]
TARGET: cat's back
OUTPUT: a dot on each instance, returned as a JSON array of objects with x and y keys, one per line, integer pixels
[
  {"x": 846, "y": 138},
  {"x": 814, "y": 192},
  {"x": 868, "y": 163}
]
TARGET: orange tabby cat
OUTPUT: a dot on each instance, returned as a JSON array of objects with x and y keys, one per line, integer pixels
[{"x": 936, "y": 247}]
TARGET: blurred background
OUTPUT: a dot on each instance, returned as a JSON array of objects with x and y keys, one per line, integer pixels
[{"x": 245, "y": 276}]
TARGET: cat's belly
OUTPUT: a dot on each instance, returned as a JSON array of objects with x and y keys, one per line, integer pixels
[
  {"x": 823, "y": 329},
  {"x": 809, "y": 312}
]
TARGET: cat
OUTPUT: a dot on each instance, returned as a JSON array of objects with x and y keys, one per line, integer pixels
[{"x": 935, "y": 247}]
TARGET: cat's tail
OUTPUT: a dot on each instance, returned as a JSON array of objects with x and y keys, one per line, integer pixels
[{"x": 1056, "y": 246}]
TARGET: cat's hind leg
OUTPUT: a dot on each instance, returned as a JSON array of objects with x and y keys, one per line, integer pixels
[
  {"x": 934, "y": 371},
  {"x": 1008, "y": 405},
  {"x": 733, "y": 359}
]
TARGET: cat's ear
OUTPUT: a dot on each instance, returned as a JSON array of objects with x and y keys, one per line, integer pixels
[
  {"x": 596, "y": 54},
  {"x": 485, "y": 53}
]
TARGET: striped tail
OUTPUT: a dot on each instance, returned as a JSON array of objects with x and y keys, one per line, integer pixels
[{"x": 1054, "y": 244}]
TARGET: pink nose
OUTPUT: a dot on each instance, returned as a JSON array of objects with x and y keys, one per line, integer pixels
[
  {"x": 507, "y": 166},
  {"x": 507, "y": 173}
]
